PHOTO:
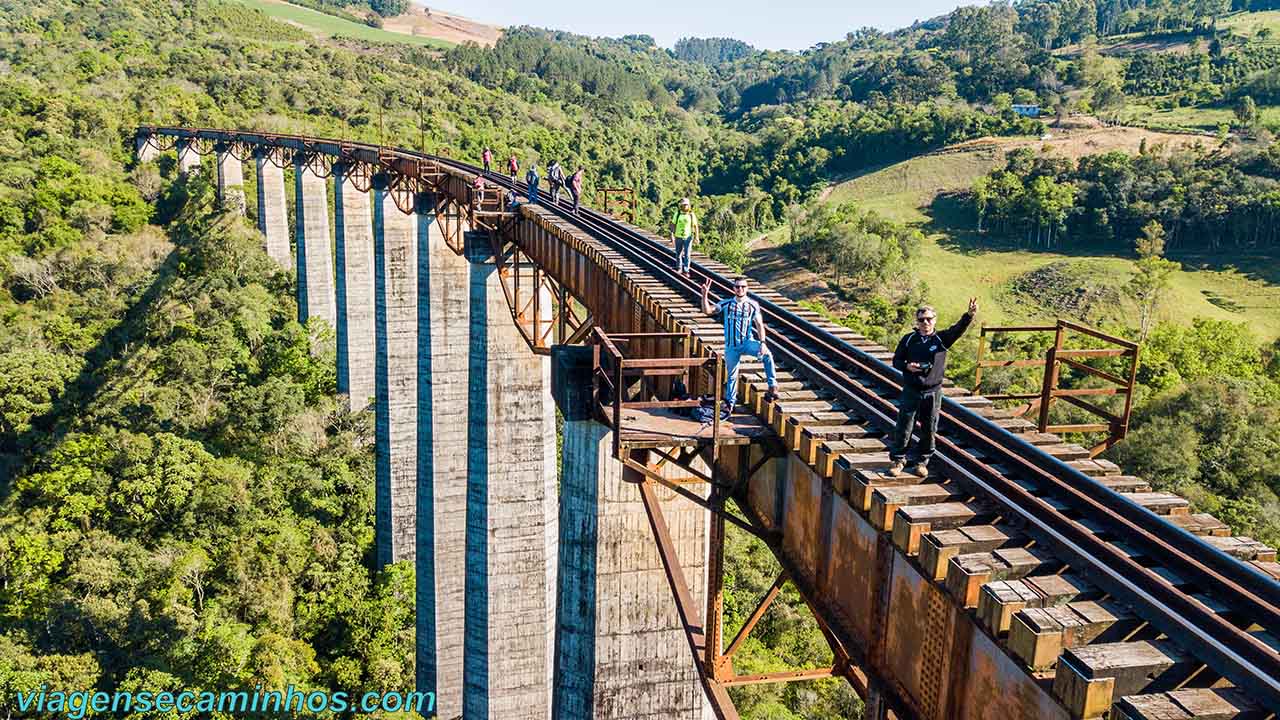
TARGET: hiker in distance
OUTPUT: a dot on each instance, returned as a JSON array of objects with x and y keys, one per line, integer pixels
[
  {"x": 684, "y": 232},
  {"x": 921, "y": 356}
]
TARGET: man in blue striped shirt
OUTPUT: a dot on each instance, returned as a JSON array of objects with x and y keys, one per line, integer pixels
[{"x": 743, "y": 335}]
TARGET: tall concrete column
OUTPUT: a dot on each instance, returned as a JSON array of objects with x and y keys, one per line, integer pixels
[
  {"x": 311, "y": 235},
  {"x": 444, "y": 329},
  {"x": 353, "y": 238},
  {"x": 621, "y": 650},
  {"x": 145, "y": 151},
  {"x": 273, "y": 219},
  {"x": 230, "y": 180},
  {"x": 396, "y": 376},
  {"x": 511, "y": 514},
  {"x": 188, "y": 158}
]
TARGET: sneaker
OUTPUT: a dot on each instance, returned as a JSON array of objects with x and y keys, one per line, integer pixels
[
  {"x": 725, "y": 412},
  {"x": 771, "y": 394},
  {"x": 895, "y": 470},
  {"x": 919, "y": 470}
]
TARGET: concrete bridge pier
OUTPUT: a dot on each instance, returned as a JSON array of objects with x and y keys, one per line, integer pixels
[
  {"x": 620, "y": 649},
  {"x": 353, "y": 238},
  {"x": 273, "y": 218},
  {"x": 145, "y": 151},
  {"x": 444, "y": 332},
  {"x": 230, "y": 180},
  {"x": 396, "y": 376},
  {"x": 314, "y": 254},
  {"x": 188, "y": 158},
  {"x": 511, "y": 518}
]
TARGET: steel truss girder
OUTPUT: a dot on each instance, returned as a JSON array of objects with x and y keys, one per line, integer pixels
[
  {"x": 528, "y": 290},
  {"x": 715, "y": 668}
]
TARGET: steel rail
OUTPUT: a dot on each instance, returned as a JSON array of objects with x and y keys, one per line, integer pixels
[
  {"x": 1246, "y": 660},
  {"x": 1232, "y": 652},
  {"x": 1251, "y": 663}
]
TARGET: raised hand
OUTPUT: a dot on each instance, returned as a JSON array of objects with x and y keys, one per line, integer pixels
[{"x": 973, "y": 305}]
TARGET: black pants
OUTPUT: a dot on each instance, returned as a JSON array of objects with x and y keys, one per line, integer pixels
[
  {"x": 574, "y": 193},
  {"x": 913, "y": 401}
]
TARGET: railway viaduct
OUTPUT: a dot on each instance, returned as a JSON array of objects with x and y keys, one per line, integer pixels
[{"x": 1023, "y": 579}]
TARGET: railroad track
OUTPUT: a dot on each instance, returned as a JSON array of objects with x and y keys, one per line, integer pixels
[
  {"x": 1223, "y": 612},
  {"x": 1009, "y": 514}
]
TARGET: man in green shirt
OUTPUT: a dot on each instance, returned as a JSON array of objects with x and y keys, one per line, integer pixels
[{"x": 684, "y": 231}]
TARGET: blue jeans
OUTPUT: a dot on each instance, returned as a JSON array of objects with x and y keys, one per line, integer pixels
[
  {"x": 684, "y": 249},
  {"x": 733, "y": 356},
  {"x": 927, "y": 403},
  {"x": 533, "y": 193}
]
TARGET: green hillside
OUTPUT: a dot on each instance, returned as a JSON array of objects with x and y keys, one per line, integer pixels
[
  {"x": 329, "y": 26},
  {"x": 956, "y": 267}
]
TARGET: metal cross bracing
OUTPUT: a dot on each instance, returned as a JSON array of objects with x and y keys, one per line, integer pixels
[{"x": 1003, "y": 494}]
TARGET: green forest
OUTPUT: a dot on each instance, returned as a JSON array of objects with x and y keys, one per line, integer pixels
[{"x": 183, "y": 503}]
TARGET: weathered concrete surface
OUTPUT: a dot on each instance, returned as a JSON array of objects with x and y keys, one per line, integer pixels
[
  {"x": 621, "y": 650},
  {"x": 230, "y": 181},
  {"x": 909, "y": 627},
  {"x": 511, "y": 515},
  {"x": 315, "y": 255},
  {"x": 272, "y": 215},
  {"x": 188, "y": 158},
  {"x": 353, "y": 238},
  {"x": 396, "y": 386},
  {"x": 444, "y": 331},
  {"x": 145, "y": 151}
]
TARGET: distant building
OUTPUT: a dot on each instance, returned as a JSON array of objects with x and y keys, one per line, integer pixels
[{"x": 1029, "y": 110}]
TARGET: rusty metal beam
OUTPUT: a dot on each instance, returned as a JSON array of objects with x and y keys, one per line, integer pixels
[
  {"x": 755, "y": 616},
  {"x": 717, "y": 694},
  {"x": 782, "y": 676}
]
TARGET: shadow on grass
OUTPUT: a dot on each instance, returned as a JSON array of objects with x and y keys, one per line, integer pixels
[{"x": 1255, "y": 266}]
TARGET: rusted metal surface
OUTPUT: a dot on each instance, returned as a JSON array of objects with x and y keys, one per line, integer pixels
[
  {"x": 619, "y": 202},
  {"x": 1057, "y": 356}
]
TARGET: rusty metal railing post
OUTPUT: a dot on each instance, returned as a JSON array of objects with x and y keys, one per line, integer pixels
[
  {"x": 982, "y": 351},
  {"x": 714, "y": 618},
  {"x": 1123, "y": 430},
  {"x": 718, "y": 383},
  {"x": 1050, "y": 377}
]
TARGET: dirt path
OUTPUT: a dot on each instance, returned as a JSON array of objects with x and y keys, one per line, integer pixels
[{"x": 772, "y": 266}]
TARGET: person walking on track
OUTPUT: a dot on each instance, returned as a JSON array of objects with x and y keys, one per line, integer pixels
[
  {"x": 555, "y": 175},
  {"x": 921, "y": 356},
  {"x": 575, "y": 187},
  {"x": 513, "y": 167},
  {"x": 744, "y": 335},
  {"x": 684, "y": 231},
  {"x": 487, "y": 158},
  {"x": 531, "y": 179}
]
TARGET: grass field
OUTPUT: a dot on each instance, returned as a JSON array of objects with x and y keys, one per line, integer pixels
[
  {"x": 328, "y": 26},
  {"x": 1194, "y": 118},
  {"x": 956, "y": 267},
  {"x": 1248, "y": 23}
]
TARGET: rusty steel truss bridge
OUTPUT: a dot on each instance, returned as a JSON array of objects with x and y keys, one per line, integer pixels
[{"x": 1024, "y": 578}]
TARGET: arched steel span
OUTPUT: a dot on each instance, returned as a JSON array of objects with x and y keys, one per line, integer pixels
[{"x": 1054, "y": 502}]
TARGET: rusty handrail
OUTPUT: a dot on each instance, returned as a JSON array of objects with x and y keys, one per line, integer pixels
[{"x": 1116, "y": 426}]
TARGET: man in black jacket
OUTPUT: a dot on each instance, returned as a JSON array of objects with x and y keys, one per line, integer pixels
[{"x": 922, "y": 357}]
